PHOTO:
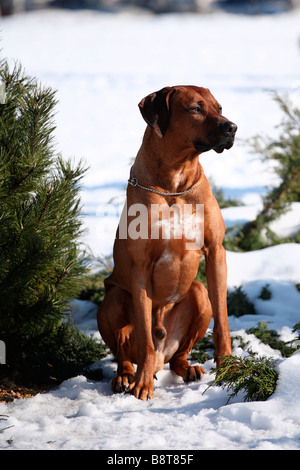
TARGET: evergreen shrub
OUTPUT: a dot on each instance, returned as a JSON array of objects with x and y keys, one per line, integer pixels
[{"x": 41, "y": 263}]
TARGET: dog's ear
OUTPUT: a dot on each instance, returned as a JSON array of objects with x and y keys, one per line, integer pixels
[{"x": 156, "y": 111}]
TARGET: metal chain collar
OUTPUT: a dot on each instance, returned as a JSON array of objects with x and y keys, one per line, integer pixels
[{"x": 135, "y": 183}]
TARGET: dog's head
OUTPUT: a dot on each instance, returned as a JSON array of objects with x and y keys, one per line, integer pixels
[{"x": 191, "y": 115}]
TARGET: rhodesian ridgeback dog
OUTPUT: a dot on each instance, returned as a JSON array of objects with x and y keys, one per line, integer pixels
[{"x": 154, "y": 311}]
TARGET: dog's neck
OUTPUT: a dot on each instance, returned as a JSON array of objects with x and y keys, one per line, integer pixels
[{"x": 173, "y": 173}]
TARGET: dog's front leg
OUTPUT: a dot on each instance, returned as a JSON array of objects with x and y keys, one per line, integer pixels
[
  {"x": 143, "y": 386},
  {"x": 216, "y": 276}
]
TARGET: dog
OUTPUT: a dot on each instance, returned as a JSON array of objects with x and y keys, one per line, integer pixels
[{"x": 154, "y": 311}]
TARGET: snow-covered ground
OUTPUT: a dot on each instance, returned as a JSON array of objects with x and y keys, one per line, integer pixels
[{"x": 102, "y": 65}]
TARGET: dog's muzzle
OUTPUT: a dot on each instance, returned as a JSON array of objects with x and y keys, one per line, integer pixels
[
  {"x": 226, "y": 134},
  {"x": 228, "y": 131}
]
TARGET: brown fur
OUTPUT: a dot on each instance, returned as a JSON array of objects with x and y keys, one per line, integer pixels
[{"x": 154, "y": 311}]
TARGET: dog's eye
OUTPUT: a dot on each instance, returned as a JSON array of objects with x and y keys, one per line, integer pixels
[
  {"x": 197, "y": 109},
  {"x": 220, "y": 109}
]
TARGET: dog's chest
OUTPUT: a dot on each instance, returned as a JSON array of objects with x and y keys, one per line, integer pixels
[
  {"x": 173, "y": 274},
  {"x": 182, "y": 222},
  {"x": 180, "y": 231}
]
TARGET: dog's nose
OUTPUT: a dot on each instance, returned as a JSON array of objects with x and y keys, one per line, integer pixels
[{"x": 229, "y": 128}]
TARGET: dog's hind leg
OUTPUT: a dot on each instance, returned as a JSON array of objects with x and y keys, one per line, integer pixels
[
  {"x": 116, "y": 331},
  {"x": 185, "y": 326}
]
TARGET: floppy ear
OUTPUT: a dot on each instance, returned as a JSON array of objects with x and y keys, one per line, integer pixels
[{"x": 155, "y": 110}]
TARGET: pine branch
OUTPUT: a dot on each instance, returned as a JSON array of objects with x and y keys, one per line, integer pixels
[
  {"x": 264, "y": 217},
  {"x": 255, "y": 376},
  {"x": 64, "y": 273},
  {"x": 25, "y": 178},
  {"x": 47, "y": 202}
]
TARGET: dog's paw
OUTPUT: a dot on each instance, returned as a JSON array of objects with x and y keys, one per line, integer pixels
[
  {"x": 121, "y": 383},
  {"x": 142, "y": 392},
  {"x": 193, "y": 373},
  {"x": 142, "y": 387}
]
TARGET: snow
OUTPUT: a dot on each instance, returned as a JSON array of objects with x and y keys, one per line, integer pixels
[{"x": 102, "y": 65}]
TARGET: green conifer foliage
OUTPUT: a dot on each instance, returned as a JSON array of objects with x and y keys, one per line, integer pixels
[
  {"x": 283, "y": 154},
  {"x": 255, "y": 376},
  {"x": 41, "y": 265}
]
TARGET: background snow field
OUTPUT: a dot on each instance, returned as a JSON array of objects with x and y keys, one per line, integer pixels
[{"x": 102, "y": 65}]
